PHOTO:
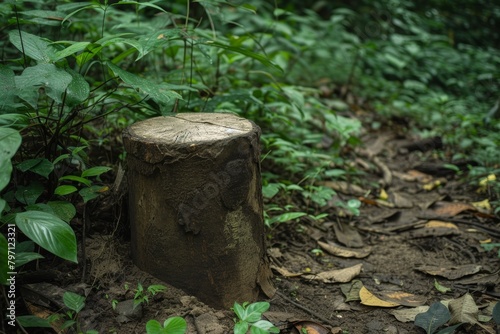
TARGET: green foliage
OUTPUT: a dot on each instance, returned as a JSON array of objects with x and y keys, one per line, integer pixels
[
  {"x": 142, "y": 296},
  {"x": 173, "y": 325},
  {"x": 434, "y": 318},
  {"x": 249, "y": 317}
]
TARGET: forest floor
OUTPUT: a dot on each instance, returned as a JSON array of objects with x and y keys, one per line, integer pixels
[{"x": 369, "y": 273}]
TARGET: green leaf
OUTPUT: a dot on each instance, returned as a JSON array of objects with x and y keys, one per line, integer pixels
[
  {"x": 49, "y": 232},
  {"x": 435, "y": 317},
  {"x": 155, "y": 288},
  {"x": 24, "y": 257},
  {"x": 261, "y": 58},
  {"x": 496, "y": 313},
  {"x": 3, "y": 255},
  {"x": 74, "y": 301},
  {"x": 70, "y": 50},
  {"x": 270, "y": 190},
  {"x": 30, "y": 193},
  {"x": 241, "y": 327},
  {"x": 78, "y": 90},
  {"x": 253, "y": 312},
  {"x": 10, "y": 140},
  {"x": 53, "y": 79},
  {"x": 65, "y": 190},
  {"x": 33, "y": 46},
  {"x": 263, "y": 326},
  {"x": 40, "y": 166},
  {"x": 7, "y": 88},
  {"x": 75, "y": 178},
  {"x": 449, "y": 330},
  {"x": 89, "y": 193},
  {"x": 95, "y": 171},
  {"x": 63, "y": 209},
  {"x": 33, "y": 321},
  {"x": 175, "y": 325},
  {"x": 239, "y": 311},
  {"x": 158, "y": 92},
  {"x": 441, "y": 288},
  {"x": 285, "y": 217},
  {"x": 154, "y": 327}
]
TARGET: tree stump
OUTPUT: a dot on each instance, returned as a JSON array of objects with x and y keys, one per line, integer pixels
[{"x": 195, "y": 204}]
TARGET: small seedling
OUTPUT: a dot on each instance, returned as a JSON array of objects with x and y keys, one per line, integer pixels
[
  {"x": 142, "y": 296},
  {"x": 173, "y": 325},
  {"x": 249, "y": 316}
]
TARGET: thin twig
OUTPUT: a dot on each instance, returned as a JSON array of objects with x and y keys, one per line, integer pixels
[{"x": 305, "y": 309}]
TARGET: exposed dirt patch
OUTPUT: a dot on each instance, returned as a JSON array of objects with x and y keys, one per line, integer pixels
[{"x": 392, "y": 231}]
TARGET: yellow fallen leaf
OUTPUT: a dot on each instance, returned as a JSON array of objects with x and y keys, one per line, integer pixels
[
  {"x": 369, "y": 299},
  {"x": 485, "y": 204},
  {"x": 484, "y": 181},
  {"x": 431, "y": 185},
  {"x": 383, "y": 195}
]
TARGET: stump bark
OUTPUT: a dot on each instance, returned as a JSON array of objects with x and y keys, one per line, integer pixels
[{"x": 195, "y": 204}]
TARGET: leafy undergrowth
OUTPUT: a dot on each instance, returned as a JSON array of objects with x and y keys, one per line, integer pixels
[{"x": 380, "y": 151}]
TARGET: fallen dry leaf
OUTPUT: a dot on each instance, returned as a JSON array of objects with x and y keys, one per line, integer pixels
[
  {"x": 403, "y": 298},
  {"x": 337, "y": 250},
  {"x": 369, "y": 299},
  {"x": 450, "y": 209},
  {"x": 408, "y": 315},
  {"x": 337, "y": 276},
  {"x": 435, "y": 228},
  {"x": 285, "y": 272},
  {"x": 451, "y": 272}
]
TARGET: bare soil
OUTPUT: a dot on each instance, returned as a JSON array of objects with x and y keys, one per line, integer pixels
[{"x": 388, "y": 238}]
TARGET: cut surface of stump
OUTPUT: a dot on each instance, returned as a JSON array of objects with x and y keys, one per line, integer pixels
[{"x": 195, "y": 204}]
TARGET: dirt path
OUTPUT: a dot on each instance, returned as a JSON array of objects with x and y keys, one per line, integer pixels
[{"x": 421, "y": 234}]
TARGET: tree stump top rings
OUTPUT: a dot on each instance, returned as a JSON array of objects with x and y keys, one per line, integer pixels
[{"x": 178, "y": 136}]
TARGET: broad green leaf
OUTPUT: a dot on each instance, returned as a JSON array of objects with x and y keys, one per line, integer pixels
[
  {"x": 95, "y": 171},
  {"x": 78, "y": 89},
  {"x": 239, "y": 311},
  {"x": 10, "y": 140},
  {"x": 241, "y": 327},
  {"x": 263, "y": 326},
  {"x": 175, "y": 325},
  {"x": 3, "y": 255},
  {"x": 285, "y": 217},
  {"x": 33, "y": 46},
  {"x": 496, "y": 313},
  {"x": 53, "y": 79},
  {"x": 154, "y": 327},
  {"x": 63, "y": 209},
  {"x": 33, "y": 321},
  {"x": 70, "y": 50},
  {"x": 74, "y": 301},
  {"x": 24, "y": 257},
  {"x": 30, "y": 193},
  {"x": 75, "y": 178},
  {"x": 270, "y": 190},
  {"x": 40, "y": 166},
  {"x": 65, "y": 190},
  {"x": 158, "y": 92},
  {"x": 49, "y": 232},
  {"x": 7, "y": 88},
  {"x": 2, "y": 206},
  {"x": 89, "y": 193},
  {"x": 253, "y": 312},
  {"x": 14, "y": 121},
  {"x": 435, "y": 317}
]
